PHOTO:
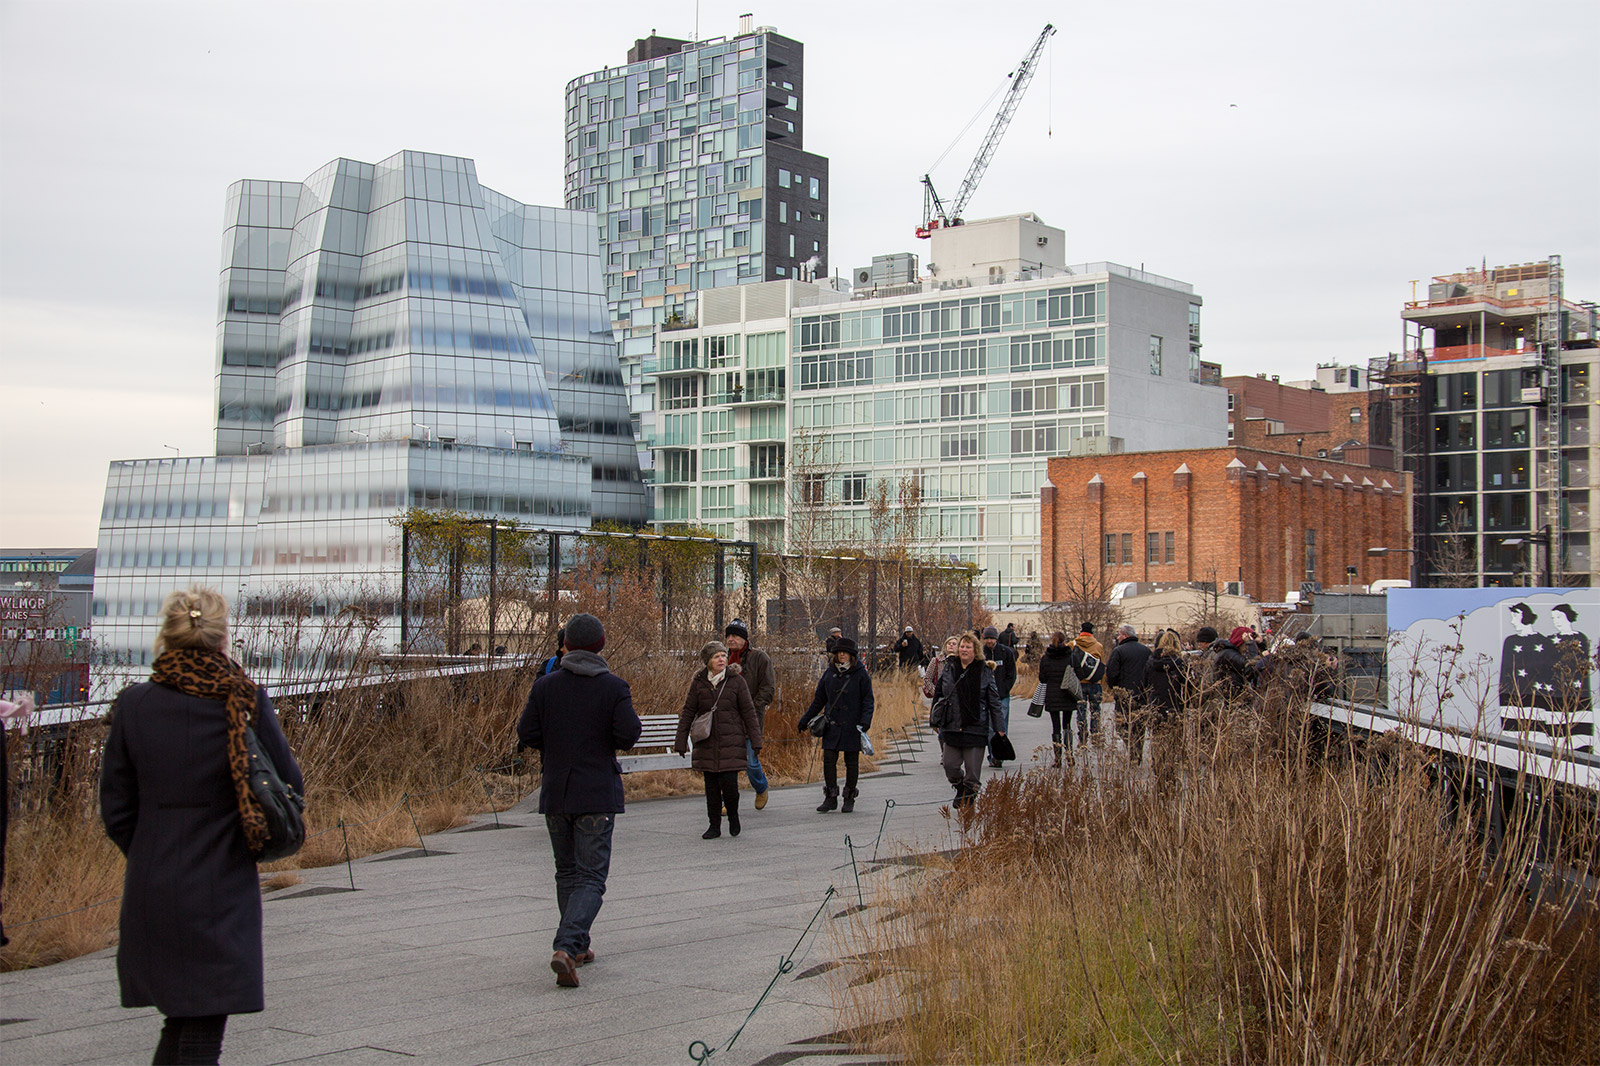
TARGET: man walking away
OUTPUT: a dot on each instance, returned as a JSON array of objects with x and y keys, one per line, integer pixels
[
  {"x": 577, "y": 718},
  {"x": 756, "y": 667},
  {"x": 1125, "y": 673},
  {"x": 909, "y": 649},
  {"x": 1005, "y": 677},
  {"x": 1009, "y": 637}
]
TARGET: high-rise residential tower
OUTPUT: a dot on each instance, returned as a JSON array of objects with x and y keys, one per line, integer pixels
[
  {"x": 390, "y": 335},
  {"x": 692, "y": 157}
]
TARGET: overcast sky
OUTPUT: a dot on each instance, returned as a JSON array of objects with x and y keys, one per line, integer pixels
[{"x": 1372, "y": 144}]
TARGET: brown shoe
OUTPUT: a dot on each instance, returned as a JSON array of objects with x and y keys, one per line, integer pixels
[
  {"x": 761, "y": 800},
  {"x": 566, "y": 969},
  {"x": 585, "y": 959}
]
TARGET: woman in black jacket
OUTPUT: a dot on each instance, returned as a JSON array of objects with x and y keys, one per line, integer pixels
[
  {"x": 968, "y": 688},
  {"x": 1058, "y": 702},
  {"x": 844, "y": 694},
  {"x": 191, "y": 905}
]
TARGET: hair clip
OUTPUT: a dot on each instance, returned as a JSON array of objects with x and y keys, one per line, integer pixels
[{"x": 194, "y": 614}]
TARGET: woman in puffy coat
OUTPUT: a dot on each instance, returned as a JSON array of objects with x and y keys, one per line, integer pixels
[
  {"x": 844, "y": 694},
  {"x": 191, "y": 905},
  {"x": 1058, "y": 702},
  {"x": 973, "y": 701},
  {"x": 720, "y": 756}
]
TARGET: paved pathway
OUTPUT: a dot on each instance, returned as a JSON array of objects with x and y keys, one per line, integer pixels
[{"x": 445, "y": 958}]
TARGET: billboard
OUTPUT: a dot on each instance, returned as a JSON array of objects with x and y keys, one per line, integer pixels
[{"x": 1507, "y": 668}]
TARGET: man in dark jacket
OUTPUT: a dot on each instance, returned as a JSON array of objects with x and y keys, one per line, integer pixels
[
  {"x": 577, "y": 718},
  {"x": 1125, "y": 670},
  {"x": 756, "y": 667},
  {"x": 909, "y": 649},
  {"x": 1009, "y": 637},
  {"x": 1005, "y": 677}
]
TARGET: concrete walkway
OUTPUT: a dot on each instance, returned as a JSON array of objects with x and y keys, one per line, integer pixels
[{"x": 445, "y": 957}]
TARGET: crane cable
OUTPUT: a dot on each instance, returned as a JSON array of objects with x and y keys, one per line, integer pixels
[{"x": 975, "y": 117}]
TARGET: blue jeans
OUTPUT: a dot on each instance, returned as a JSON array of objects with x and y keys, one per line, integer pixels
[
  {"x": 582, "y": 847},
  {"x": 1089, "y": 715},
  {"x": 752, "y": 768}
]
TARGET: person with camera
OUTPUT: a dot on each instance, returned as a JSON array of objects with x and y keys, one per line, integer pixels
[{"x": 840, "y": 712}]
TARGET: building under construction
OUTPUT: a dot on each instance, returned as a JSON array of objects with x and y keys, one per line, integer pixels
[{"x": 1492, "y": 407}]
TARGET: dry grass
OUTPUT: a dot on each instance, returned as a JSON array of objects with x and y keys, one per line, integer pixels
[{"x": 1266, "y": 903}]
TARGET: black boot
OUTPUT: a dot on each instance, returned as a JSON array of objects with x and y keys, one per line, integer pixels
[
  {"x": 713, "y": 813},
  {"x": 830, "y": 798},
  {"x": 733, "y": 819},
  {"x": 850, "y": 795}
]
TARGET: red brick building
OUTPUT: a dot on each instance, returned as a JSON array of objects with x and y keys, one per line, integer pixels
[
  {"x": 1267, "y": 520},
  {"x": 1351, "y": 425}
]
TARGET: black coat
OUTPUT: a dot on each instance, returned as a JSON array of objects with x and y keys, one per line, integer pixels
[
  {"x": 1053, "y": 666},
  {"x": 578, "y": 721},
  {"x": 850, "y": 713},
  {"x": 1005, "y": 670},
  {"x": 1166, "y": 679},
  {"x": 909, "y": 649},
  {"x": 191, "y": 900},
  {"x": 975, "y": 735},
  {"x": 1126, "y": 667}
]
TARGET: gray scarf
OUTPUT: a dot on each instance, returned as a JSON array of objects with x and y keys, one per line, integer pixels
[{"x": 584, "y": 663}]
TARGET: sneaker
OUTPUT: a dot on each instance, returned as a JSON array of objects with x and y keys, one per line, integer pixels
[
  {"x": 761, "y": 799},
  {"x": 565, "y": 968}
]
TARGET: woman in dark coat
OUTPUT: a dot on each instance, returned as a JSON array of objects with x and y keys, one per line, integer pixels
[
  {"x": 844, "y": 694},
  {"x": 1058, "y": 702},
  {"x": 1166, "y": 681},
  {"x": 973, "y": 697},
  {"x": 191, "y": 905},
  {"x": 722, "y": 755}
]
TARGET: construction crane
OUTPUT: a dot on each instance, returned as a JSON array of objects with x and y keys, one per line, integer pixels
[{"x": 934, "y": 212}]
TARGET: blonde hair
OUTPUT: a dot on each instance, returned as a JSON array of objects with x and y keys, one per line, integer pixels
[{"x": 193, "y": 618}]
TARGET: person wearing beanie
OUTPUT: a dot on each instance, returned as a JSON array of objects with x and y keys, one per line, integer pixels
[
  {"x": 1224, "y": 672},
  {"x": 844, "y": 699},
  {"x": 1089, "y": 710},
  {"x": 909, "y": 649},
  {"x": 578, "y": 717},
  {"x": 755, "y": 666},
  {"x": 721, "y": 693}
]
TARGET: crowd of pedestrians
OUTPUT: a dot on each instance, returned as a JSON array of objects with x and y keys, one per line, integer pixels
[{"x": 175, "y": 798}]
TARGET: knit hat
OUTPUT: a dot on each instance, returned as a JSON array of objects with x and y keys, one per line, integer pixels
[
  {"x": 585, "y": 633},
  {"x": 1205, "y": 636},
  {"x": 712, "y": 648},
  {"x": 1238, "y": 636},
  {"x": 1088, "y": 627},
  {"x": 738, "y": 629},
  {"x": 991, "y": 633},
  {"x": 845, "y": 644}
]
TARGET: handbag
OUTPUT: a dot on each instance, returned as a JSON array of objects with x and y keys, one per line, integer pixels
[
  {"x": 1071, "y": 685},
  {"x": 1000, "y": 747},
  {"x": 819, "y": 725},
  {"x": 700, "y": 728},
  {"x": 1036, "y": 705},
  {"x": 283, "y": 808},
  {"x": 939, "y": 714}
]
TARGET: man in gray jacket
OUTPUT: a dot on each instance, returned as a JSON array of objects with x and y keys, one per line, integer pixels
[
  {"x": 577, "y": 718},
  {"x": 762, "y": 679}
]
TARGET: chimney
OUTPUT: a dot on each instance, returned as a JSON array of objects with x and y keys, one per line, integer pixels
[{"x": 746, "y": 23}]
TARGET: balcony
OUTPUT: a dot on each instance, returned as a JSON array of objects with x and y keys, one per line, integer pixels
[
  {"x": 759, "y": 397},
  {"x": 760, "y": 472}
]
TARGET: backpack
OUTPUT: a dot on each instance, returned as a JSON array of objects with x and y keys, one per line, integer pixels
[{"x": 1088, "y": 667}]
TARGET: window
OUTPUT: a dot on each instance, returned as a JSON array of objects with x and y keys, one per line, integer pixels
[
  {"x": 1155, "y": 355},
  {"x": 816, "y": 189},
  {"x": 855, "y": 488},
  {"x": 1171, "y": 543},
  {"x": 1152, "y": 546},
  {"x": 1127, "y": 548},
  {"x": 783, "y": 178},
  {"x": 1111, "y": 549},
  {"x": 1311, "y": 555},
  {"x": 813, "y": 489},
  {"x": 783, "y": 211},
  {"x": 1355, "y": 415}
]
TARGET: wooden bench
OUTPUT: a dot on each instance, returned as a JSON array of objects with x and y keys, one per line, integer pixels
[{"x": 654, "y": 750}]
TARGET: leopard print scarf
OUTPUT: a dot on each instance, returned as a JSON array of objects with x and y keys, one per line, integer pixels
[{"x": 211, "y": 675}]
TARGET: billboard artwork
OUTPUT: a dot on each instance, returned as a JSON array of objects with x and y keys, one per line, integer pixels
[{"x": 1516, "y": 662}]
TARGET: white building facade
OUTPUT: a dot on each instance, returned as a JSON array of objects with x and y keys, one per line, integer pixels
[{"x": 793, "y": 415}]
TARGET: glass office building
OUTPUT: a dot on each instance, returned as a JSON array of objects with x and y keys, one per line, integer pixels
[
  {"x": 792, "y": 403},
  {"x": 390, "y": 335},
  {"x": 692, "y": 158}
]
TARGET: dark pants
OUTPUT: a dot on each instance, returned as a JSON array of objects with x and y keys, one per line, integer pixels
[
  {"x": 582, "y": 847},
  {"x": 722, "y": 790},
  {"x": 191, "y": 1040},
  {"x": 1089, "y": 715},
  {"x": 1131, "y": 725},
  {"x": 830, "y": 769}
]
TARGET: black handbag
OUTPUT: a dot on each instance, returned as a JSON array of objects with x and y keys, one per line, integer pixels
[
  {"x": 283, "y": 807},
  {"x": 819, "y": 725},
  {"x": 1000, "y": 747}
]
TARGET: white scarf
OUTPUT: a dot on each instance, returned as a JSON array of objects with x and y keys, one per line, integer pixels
[{"x": 716, "y": 679}]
